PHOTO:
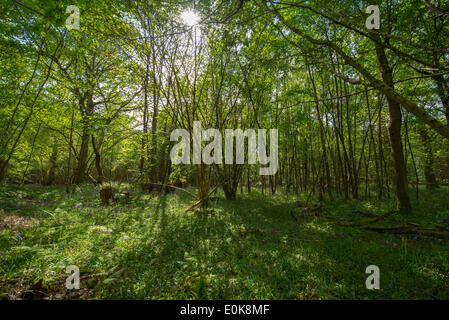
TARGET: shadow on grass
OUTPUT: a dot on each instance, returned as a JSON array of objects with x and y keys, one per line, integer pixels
[
  {"x": 243, "y": 249},
  {"x": 252, "y": 249}
]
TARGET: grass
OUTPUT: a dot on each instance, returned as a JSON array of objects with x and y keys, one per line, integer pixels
[{"x": 249, "y": 248}]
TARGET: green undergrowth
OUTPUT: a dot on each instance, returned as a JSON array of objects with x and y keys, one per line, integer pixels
[{"x": 250, "y": 248}]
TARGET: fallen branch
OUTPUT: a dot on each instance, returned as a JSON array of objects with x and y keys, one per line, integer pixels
[
  {"x": 171, "y": 186},
  {"x": 368, "y": 221},
  {"x": 196, "y": 204},
  {"x": 406, "y": 229}
]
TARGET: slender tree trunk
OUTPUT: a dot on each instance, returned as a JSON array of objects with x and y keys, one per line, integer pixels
[
  {"x": 431, "y": 181},
  {"x": 328, "y": 184},
  {"x": 394, "y": 129},
  {"x": 50, "y": 178},
  {"x": 80, "y": 171},
  {"x": 87, "y": 109},
  {"x": 98, "y": 165},
  {"x": 248, "y": 184},
  {"x": 31, "y": 154},
  {"x": 69, "y": 164}
]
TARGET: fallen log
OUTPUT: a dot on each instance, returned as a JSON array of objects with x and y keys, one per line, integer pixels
[
  {"x": 357, "y": 223},
  {"x": 407, "y": 228},
  {"x": 404, "y": 229},
  {"x": 369, "y": 221}
]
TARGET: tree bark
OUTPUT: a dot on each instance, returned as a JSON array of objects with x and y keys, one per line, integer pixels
[
  {"x": 431, "y": 181},
  {"x": 51, "y": 171},
  {"x": 98, "y": 165},
  {"x": 394, "y": 129}
]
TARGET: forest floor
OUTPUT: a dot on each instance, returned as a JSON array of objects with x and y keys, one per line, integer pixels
[{"x": 256, "y": 247}]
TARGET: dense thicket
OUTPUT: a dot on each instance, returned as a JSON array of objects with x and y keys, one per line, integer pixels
[{"x": 360, "y": 113}]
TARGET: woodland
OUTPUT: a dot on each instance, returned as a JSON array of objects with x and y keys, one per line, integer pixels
[{"x": 88, "y": 107}]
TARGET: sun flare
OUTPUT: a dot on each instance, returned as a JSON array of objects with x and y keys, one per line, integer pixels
[{"x": 190, "y": 17}]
